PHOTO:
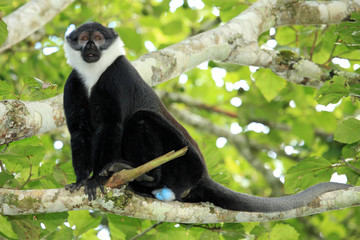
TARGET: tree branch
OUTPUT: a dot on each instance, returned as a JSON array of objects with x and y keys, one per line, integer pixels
[
  {"x": 22, "y": 119},
  {"x": 235, "y": 41},
  {"x": 126, "y": 203},
  {"x": 127, "y": 175},
  {"x": 29, "y": 18}
]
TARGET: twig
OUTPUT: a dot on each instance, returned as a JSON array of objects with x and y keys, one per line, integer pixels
[
  {"x": 313, "y": 45},
  {"x": 29, "y": 178},
  {"x": 126, "y": 175},
  {"x": 147, "y": 230},
  {"x": 331, "y": 54},
  {"x": 350, "y": 166}
]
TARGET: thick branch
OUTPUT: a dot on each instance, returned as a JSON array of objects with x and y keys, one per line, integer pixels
[
  {"x": 124, "y": 202},
  {"x": 21, "y": 119},
  {"x": 30, "y": 18},
  {"x": 235, "y": 41}
]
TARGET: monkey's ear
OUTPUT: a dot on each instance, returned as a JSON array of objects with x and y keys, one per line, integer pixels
[{"x": 114, "y": 32}]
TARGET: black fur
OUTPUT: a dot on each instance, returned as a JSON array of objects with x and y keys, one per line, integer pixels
[{"x": 124, "y": 121}]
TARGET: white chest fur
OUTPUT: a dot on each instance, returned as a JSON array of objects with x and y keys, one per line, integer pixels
[{"x": 91, "y": 72}]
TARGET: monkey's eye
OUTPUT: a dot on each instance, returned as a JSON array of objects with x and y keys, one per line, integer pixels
[
  {"x": 98, "y": 38},
  {"x": 85, "y": 38}
]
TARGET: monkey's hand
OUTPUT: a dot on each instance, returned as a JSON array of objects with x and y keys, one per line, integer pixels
[
  {"x": 75, "y": 186},
  {"x": 92, "y": 184},
  {"x": 117, "y": 166}
]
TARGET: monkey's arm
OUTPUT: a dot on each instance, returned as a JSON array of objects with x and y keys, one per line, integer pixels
[
  {"x": 77, "y": 114},
  {"x": 106, "y": 142}
]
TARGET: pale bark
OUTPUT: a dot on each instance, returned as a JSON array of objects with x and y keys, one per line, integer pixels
[
  {"x": 235, "y": 42},
  {"x": 125, "y": 203},
  {"x": 29, "y": 18},
  {"x": 22, "y": 119}
]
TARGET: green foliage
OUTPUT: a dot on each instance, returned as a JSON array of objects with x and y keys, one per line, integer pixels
[
  {"x": 3, "y": 32},
  {"x": 281, "y": 232},
  {"x": 6, "y": 229},
  {"x": 308, "y": 172},
  {"x": 349, "y": 30},
  {"x": 304, "y": 144},
  {"x": 332, "y": 91},
  {"x": 3, "y": 26},
  {"x": 268, "y": 83},
  {"x": 348, "y": 131},
  {"x": 83, "y": 221}
]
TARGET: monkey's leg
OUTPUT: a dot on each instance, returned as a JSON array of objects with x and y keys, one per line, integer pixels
[{"x": 117, "y": 166}]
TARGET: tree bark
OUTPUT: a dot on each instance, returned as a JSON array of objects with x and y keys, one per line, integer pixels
[
  {"x": 30, "y": 18},
  {"x": 235, "y": 42},
  {"x": 126, "y": 203}
]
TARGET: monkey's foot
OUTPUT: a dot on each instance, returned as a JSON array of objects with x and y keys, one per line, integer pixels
[
  {"x": 92, "y": 184},
  {"x": 117, "y": 166},
  {"x": 75, "y": 186}
]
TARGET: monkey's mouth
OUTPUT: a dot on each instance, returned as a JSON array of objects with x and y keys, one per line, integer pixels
[{"x": 91, "y": 57}]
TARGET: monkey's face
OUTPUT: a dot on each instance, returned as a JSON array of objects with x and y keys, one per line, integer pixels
[
  {"x": 91, "y": 39},
  {"x": 90, "y": 44}
]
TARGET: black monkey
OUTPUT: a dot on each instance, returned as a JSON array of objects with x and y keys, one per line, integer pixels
[{"x": 117, "y": 121}]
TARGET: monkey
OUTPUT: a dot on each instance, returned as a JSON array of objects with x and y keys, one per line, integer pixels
[{"x": 116, "y": 121}]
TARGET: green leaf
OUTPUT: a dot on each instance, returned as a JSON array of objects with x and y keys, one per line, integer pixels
[
  {"x": 348, "y": 131},
  {"x": 52, "y": 220},
  {"x": 283, "y": 232},
  {"x": 131, "y": 38},
  {"x": 355, "y": 89},
  {"x": 350, "y": 151},
  {"x": 209, "y": 235},
  {"x": 6, "y": 229},
  {"x": 6, "y": 90},
  {"x": 5, "y": 3},
  {"x": 349, "y": 30},
  {"x": 3, "y": 32},
  {"x": 25, "y": 227},
  {"x": 269, "y": 83},
  {"x": 62, "y": 234},
  {"x": 90, "y": 235},
  {"x": 83, "y": 221},
  {"x": 4, "y": 177},
  {"x": 308, "y": 172},
  {"x": 304, "y": 131},
  {"x": 173, "y": 27},
  {"x": 332, "y": 91},
  {"x": 129, "y": 226}
]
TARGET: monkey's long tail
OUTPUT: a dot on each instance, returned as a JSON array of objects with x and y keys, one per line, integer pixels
[{"x": 211, "y": 191}]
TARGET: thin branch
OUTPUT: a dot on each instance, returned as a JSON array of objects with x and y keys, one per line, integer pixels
[
  {"x": 29, "y": 177},
  {"x": 191, "y": 102},
  {"x": 146, "y": 231},
  {"x": 350, "y": 166},
  {"x": 313, "y": 45},
  {"x": 127, "y": 175},
  {"x": 332, "y": 52}
]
